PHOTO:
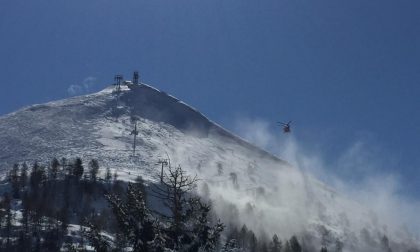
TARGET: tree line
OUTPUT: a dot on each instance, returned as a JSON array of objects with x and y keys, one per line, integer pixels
[{"x": 69, "y": 206}]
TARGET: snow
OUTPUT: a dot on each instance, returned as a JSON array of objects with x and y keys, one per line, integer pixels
[{"x": 270, "y": 194}]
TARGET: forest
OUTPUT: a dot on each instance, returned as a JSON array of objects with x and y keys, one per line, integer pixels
[{"x": 68, "y": 205}]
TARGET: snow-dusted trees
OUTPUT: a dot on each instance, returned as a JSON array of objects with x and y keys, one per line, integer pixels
[
  {"x": 134, "y": 219},
  {"x": 202, "y": 235},
  {"x": 47, "y": 206},
  {"x": 8, "y": 217},
  {"x": 93, "y": 234},
  {"x": 188, "y": 223}
]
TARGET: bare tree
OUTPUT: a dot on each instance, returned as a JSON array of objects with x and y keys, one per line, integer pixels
[{"x": 174, "y": 190}]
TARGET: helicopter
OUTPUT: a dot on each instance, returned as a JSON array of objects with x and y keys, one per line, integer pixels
[{"x": 286, "y": 126}]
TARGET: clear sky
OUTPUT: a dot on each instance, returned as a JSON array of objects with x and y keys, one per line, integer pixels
[{"x": 341, "y": 70}]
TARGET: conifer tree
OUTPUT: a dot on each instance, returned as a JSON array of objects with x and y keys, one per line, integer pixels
[
  {"x": 263, "y": 246},
  {"x": 243, "y": 233},
  {"x": 23, "y": 178},
  {"x": 108, "y": 175},
  {"x": 275, "y": 244},
  {"x": 204, "y": 236},
  {"x": 54, "y": 169},
  {"x": 133, "y": 218},
  {"x": 93, "y": 169},
  {"x": 294, "y": 244},
  {"x": 287, "y": 247},
  {"x": 252, "y": 241},
  {"x": 385, "y": 244},
  {"x": 37, "y": 176},
  {"x": 25, "y": 212},
  {"x": 78, "y": 168},
  {"x": 14, "y": 180},
  {"x": 94, "y": 236}
]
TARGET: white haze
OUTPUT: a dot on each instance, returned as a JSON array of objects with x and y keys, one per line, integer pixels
[
  {"x": 389, "y": 212},
  {"x": 290, "y": 199},
  {"x": 85, "y": 87}
]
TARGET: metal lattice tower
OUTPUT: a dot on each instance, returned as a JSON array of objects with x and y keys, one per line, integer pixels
[
  {"x": 135, "y": 132},
  {"x": 118, "y": 79},
  {"x": 163, "y": 162},
  {"x": 136, "y": 78}
]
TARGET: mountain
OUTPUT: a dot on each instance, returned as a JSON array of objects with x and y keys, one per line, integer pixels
[{"x": 245, "y": 184}]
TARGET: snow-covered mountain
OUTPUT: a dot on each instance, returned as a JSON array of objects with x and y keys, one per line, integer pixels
[{"x": 247, "y": 185}]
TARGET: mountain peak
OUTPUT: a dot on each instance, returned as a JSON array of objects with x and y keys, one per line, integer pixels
[{"x": 100, "y": 123}]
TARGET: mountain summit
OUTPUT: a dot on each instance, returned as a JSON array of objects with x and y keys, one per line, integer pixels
[{"x": 99, "y": 125}]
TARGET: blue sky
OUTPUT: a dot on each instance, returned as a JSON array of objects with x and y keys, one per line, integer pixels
[{"x": 343, "y": 71}]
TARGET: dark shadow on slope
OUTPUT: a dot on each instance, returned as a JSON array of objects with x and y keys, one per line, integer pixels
[{"x": 154, "y": 105}]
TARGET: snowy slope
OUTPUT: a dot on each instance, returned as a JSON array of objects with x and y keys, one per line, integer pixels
[{"x": 269, "y": 195}]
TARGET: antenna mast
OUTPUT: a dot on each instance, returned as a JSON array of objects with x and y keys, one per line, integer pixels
[{"x": 136, "y": 78}]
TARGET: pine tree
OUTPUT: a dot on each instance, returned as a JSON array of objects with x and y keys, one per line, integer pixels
[
  {"x": 93, "y": 169},
  {"x": 231, "y": 245},
  {"x": 23, "y": 178},
  {"x": 252, "y": 241},
  {"x": 14, "y": 180},
  {"x": 233, "y": 234},
  {"x": 202, "y": 235},
  {"x": 54, "y": 169},
  {"x": 37, "y": 176},
  {"x": 243, "y": 236},
  {"x": 93, "y": 234},
  {"x": 275, "y": 244},
  {"x": 78, "y": 168},
  {"x": 287, "y": 247},
  {"x": 294, "y": 244},
  {"x": 263, "y": 247},
  {"x": 338, "y": 245},
  {"x": 133, "y": 218},
  {"x": 385, "y": 244},
  {"x": 25, "y": 212},
  {"x": 108, "y": 175},
  {"x": 139, "y": 183}
]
